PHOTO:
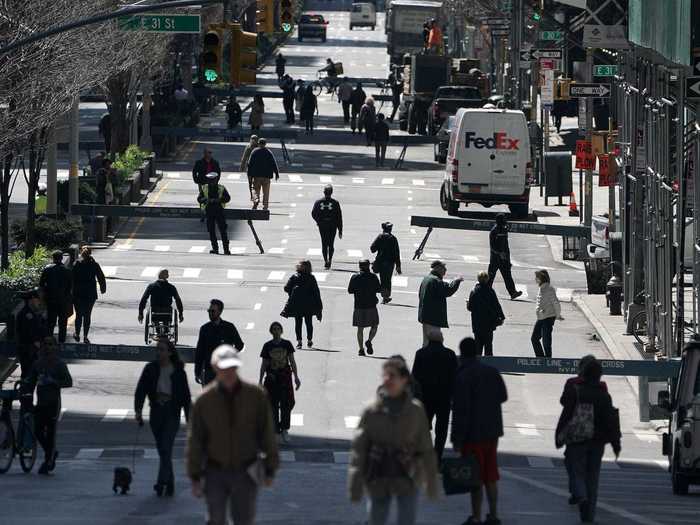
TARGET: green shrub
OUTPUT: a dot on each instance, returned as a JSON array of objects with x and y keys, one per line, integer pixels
[
  {"x": 87, "y": 193},
  {"x": 50, "y": 232},
  {"x": 128, "y": 162},
  {"x": 23, "y": 274}
]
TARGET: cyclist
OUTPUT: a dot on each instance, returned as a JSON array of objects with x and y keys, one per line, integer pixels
[
  {"x": 331, "y": 74},
  {"x": 162, "y": 294}
]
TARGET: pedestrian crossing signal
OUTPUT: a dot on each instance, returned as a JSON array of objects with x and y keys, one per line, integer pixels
[
  {"x": 212, "y": 55},
  {"x": 286, "y": 15}
]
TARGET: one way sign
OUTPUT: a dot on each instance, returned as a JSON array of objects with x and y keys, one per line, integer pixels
[
  {"x": 589, "y": 90},
  {"x": 692, "y": 88}
]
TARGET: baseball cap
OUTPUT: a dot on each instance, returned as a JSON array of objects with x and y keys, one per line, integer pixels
[{"x": 225, "y": 357}]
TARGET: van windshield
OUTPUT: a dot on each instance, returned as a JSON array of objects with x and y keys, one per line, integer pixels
[{"x": 356, "y": 8}]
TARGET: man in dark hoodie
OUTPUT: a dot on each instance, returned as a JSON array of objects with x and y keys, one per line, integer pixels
[
  {"x": 487, "y": 313},
  {"x": 56, "y": 284},
  {"x": 500, "y": 255},
  {"x": 329, "y": 219}
]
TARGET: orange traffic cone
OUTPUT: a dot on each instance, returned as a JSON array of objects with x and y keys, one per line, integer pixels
[{"x": 573, "y": 210}]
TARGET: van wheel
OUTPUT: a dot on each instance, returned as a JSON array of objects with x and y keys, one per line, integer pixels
[
  {"x": 679, "y": 482},
  {"x": 519, "y": 211},
  {"x": 443, "y": 198},
  {"x": 447, "y": 204}
]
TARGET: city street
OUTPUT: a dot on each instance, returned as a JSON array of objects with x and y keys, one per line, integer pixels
[{"x": 98, "y": 432}]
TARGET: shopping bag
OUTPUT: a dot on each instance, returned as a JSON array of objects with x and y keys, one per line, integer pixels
[{"x": 460, "y": 475}]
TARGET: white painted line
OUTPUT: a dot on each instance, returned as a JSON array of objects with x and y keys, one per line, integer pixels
[
  {"x": 565, "y": 294},
  {"x": 295, "y": 178},
  {"x": 238, "y": 250},
  {"x": 89, "y": 453},
  {"x": 286, "y": 227},
  {"x": 109, "y": 271},
  {"x": 297, "y": 165},
  {"x": 358, "y": 180},
  {"x": 234, "y": 274},
  {"x": 410, "y": 199},
  {"x": 63, "y": 411},
  {"x": 191, "y": 273},
  {"x": 263, "y": 288},
  {"x": 356, "y": 166},
  {"x": 276, "y": 276},
  {"x": 341, "y": 457},
  {"x": 293, "y": 204},
  {"x": 300, "y": 195},
  {"x": 250, "y": 326},
  {"x": 321, "y": 277},
  {"x": 327, "y": 166},
  {"x": 430, "y": 255},
  {"x": 287, "y": 456},
  {"x": 161, "y": 248},
  {"x": 124, "y": 246},
  {"x": 647, "y": 437},
  {"x": 387, "y": 181},
  {"x": 326, "y": 179},
  {"x": 198, "y": 249},
  {"x": 284, "y": 241},
  {"x": 313, "y": 251},
  {"x": 150, "y": 453},
  {"x": 399, "y": 281},
  {"x": 150, "y": 271},
  {"x": 276, "y": 251},
  {"x": 297, "y": 420},
  {"x": 352, "y": 421},
  {"x": 115, "y": 414},
  {"x": 355, "y": 253},
  {"x": 470, "y": 258},
  {"x": 418, "y": 182},
  {"x": 172, "y": 175},
  {"x": 527, "y": 429},
  {"x": 540, "y": 462},
  {"x": 522, "y": 289},
  {"x": 413, "y": 231},
  {"x": 234, "y": 176}
]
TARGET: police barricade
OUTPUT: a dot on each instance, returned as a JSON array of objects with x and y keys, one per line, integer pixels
[
  {"x": 534, "y": 228},
  {"x": 104, "y": 352},
  {"x": 171, "y": 212}
]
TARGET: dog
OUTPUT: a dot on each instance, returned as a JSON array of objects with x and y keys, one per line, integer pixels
[{"x": 122, "y": 480}]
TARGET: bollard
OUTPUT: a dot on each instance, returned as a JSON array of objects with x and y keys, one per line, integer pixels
[{"x": 613, "y": 293}]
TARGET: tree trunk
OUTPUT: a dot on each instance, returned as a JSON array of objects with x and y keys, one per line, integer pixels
[
  {"x": 4, "y": 211},
  {"x": 118, "y": 93},
  {"x": 37, "y": 148}
]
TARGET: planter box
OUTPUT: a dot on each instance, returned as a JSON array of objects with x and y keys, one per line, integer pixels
[{"x": 98, "y": 230}]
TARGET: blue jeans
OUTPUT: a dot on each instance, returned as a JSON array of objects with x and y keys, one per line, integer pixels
[
  {"x": 543, "y": 330},
  {"x": 585, "y": 460},
  {"x": 378, "y": 509}
]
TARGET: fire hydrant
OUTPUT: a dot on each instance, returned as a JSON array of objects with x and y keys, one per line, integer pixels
[{"x": 613, "y": 293}]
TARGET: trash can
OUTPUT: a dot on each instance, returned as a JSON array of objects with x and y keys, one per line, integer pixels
[
  {"x": 597, "y": 266},
  {"x": 557, "y": 175}
]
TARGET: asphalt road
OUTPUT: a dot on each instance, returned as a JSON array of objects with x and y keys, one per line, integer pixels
[{"x": 97, "y": 430}]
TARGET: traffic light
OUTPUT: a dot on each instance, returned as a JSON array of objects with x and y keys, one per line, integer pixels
[
  {"x": 265, "y": 16},
  {"x": 243, "y": 56},
  {"x": 286, "y": 22},
  {"x": 212, "y": 56},
  {"x": 562, "y": 88}
]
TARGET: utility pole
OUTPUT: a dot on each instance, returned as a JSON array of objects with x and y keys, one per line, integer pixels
[
  {"x": 588, "y": 187},
  {"x": 74, "y": 149},
  {"x": 515, "y": 44},
  {"x": 51, "y": 173}
]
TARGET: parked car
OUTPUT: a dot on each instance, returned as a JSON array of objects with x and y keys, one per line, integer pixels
[
  {"x": 443, "y": 139},
  {"x": 363, "y": 15},
  {"x": 312, "y": 26}
]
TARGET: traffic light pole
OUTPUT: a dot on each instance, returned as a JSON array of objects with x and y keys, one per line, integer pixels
[
  {"x": 516, "y": 42},
  {"x": 588, "y": 186}
]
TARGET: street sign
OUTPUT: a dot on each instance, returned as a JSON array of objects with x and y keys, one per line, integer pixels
[
  {"x": 547, "y": 89},
  {"x": 536, "y": 54},
  {"x": 692, "y": 88},
  {"x": 581, "y": 116},
  {"x": 590, "y": 90},
  {"x": 585, "y": 160},
  {"x": 550, "y": 35},
  {"x": 606, "y": 170},
  {"x": 160, "y": 23},
  {"x": 525, "y": 55},
  {"x": 609, "y": 37},
  {"x": 605, "y": 70},
  {"x": 547, "y": 64}
]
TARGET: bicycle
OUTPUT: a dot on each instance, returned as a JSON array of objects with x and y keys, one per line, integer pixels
[
  {"x": 22, "y": 442},
  {"x": 322, "y": 83}
]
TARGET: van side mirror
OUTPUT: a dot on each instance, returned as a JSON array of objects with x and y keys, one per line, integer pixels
[{"x": 664, "y": 400}]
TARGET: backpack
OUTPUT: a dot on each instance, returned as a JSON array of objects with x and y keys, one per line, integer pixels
[{"x": 581, "y": 426}]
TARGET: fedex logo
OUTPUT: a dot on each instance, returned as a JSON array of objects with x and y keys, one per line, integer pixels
[{"x": 500, "y": 140}]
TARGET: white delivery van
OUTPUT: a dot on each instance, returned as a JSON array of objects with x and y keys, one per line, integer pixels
[
  {"x": 488, "y": 161},
  {"x": 363, "y": 15}
]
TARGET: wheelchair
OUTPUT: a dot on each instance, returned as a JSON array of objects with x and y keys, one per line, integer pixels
[{"x": 157, "y": 327}]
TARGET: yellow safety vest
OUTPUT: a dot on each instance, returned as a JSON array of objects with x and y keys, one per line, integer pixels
[
  {"x": 205, "y": 192},
  {"x": 40, "y": 204}
]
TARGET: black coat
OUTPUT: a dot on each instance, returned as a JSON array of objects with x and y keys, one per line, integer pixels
[
  {"x": 211, "y": 336},
  {"x": 434, "y": 371},
  {"x": 304, "y": 295},
  {"x": 56, "y": 282},
  {"x": 85, "y": 273},
  {"x": 262, "y": 163},
  {"x": 386, "y": 246},
  {"x": 381, "y": 132},
  {"x": 498, "y": 242},
  {"x": 162, "y": 294},
  {"x": 148, "y": 387},
  {"x": 476, "y": 408},
  {"x": 357, "y": 98},
  {"x": 327, "y": 214},
  {"x": 30, "y": 326},
  {"x": 365, "y": 287},
  {"x": 199, "y": 172},
  {"x": 486, "y": 310}
]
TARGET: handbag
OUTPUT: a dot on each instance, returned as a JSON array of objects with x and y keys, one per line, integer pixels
[
  {"x": 460, "y": 475},
  {"x": 581, "y": 426}
]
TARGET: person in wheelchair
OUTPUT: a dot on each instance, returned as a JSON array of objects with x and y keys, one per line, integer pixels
[
  {"x": 331, "y": 74},
  {"x": 161, "y": 293}
]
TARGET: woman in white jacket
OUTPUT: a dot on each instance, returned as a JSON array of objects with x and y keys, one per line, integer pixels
[{"x": 548, "y": 310}]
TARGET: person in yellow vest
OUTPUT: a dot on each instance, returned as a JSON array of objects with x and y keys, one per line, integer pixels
[
  {"x": 212, "y": 199},
  {"x": 40, "y": 201}
]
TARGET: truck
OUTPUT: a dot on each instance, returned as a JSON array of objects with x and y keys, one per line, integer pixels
[
  {"x": 448, "y": 99},
  {"x": 404, "y": 26}
]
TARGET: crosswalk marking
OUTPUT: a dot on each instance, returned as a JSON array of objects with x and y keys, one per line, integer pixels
[
  {"x": 161, "y": 248},
  {"x": 313, "y": 251},
  {"x": 295, "y": 178},
  {"x": 540, "y": 462},
  {"x": 327, "y": 166},
  {"x": 527, "y": 429},
  {"x": 287, "y": 456},
  {"x": 150, "y": 271},
  {"x": 418, "y": 182},
  {"x": 124, "y": 246},
  {"x": 257, "y": 306},
  {"x": 191, "y": 273},
  {"x": 276, "y": 251},
  {"x": 234, "y": 274},
  {"x": 150, "y": 453},
  {"x": 276, "y": 276},
  {"x": 326, "y": 179},
  {"x": 198, "y": 249},
  {"x": 109, "y": 271},
  {"x": 354, "y": 253},
  {"x": 238, "y": 250},
  {"x": 172, "y": 175},
  {"x": 399, "y": 281},
  {"x": 565, "y": 294},
  {"x": 356, "y": 166},
  {"x": 234, "y": 176},
  {"x": 352, "y": 421},
  {"x": 432, "y": 255},
  {"x": 89, "y": 453},
  {"x": 470, "y": 258},
  {"x": 321, "y": 277},
  {"x": 297, "y": 420},
  {"x": 250, "y": 326},
  {"x": 647, "y": 436},
  {"x": 115, "y": 414},
  {"x": 358, "y": 180},
  {"x": 387, "y": 181}
]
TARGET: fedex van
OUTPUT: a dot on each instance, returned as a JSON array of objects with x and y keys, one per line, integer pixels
[{"x": 488, "y": 161}]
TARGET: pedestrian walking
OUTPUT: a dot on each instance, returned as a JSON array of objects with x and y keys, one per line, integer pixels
[
  {"x": 588, "y": 422},
  {"x": 500, "y": 255},
  {"x": 234, "y": 112},
  {"x": 213, "y": 198},
  {"x": 329, "y": 219},
  {"x": 207, "y": 164},
  {"x": 345, "y": 96},
  {"x": 357, "y": 99},
  {"x": 396, "y": 86},
  {"x": 276, "y": 371},
  {"x": 309, "y": 107},
  {"x": 213, "y": 334},
  {"x": 164, "y": 382},
  {"x": 388, "y": 258},
  {"x": 487, "y": 314},
  {"x": 365, "y": 286},
  {"x": 257, "y": 109},
  {"x": 86, "y": 271},
  {"x": 286, "y": 84},
  {"x": 548, "y": 310},
  {"x": 434, "y": 371},
  {"x": 231, "y": 435},
  {"x": 104, "y": 182},
  {"x": 367, "y": 119},
  {"x": 477, "y": 424},
  {"x": 105, "y": 130},
  {"x": 280, "y": 63},
  {"x": 96, "y": 163},
  {"x": 381, "y": 140},
  {"x": 304, "y": 301},
  {"x": 432, "y": 299},
  {"x": 299, "y": 96},
  {"x": 245, "y": 158},
  {"x": 262, "y": 166},
  {"x": 49, "y": 375},
  {"x": 56, "y": 283},
  {"x": 391, "y": 454},
  {"x": 30, "y": 329}
]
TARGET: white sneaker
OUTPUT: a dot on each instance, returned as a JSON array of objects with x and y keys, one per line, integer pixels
[{"x": 285, "y": 437}]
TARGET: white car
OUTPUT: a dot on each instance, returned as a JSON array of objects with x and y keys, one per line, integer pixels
[{"x": 363, "y": 15}]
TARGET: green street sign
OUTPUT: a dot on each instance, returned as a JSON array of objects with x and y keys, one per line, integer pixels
[
  {"x": 550, "y": 35},
  {"x": 604, "y": 71},
  {"x": 210, "y": 75},
  {"x": 159, "y": 23}
]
